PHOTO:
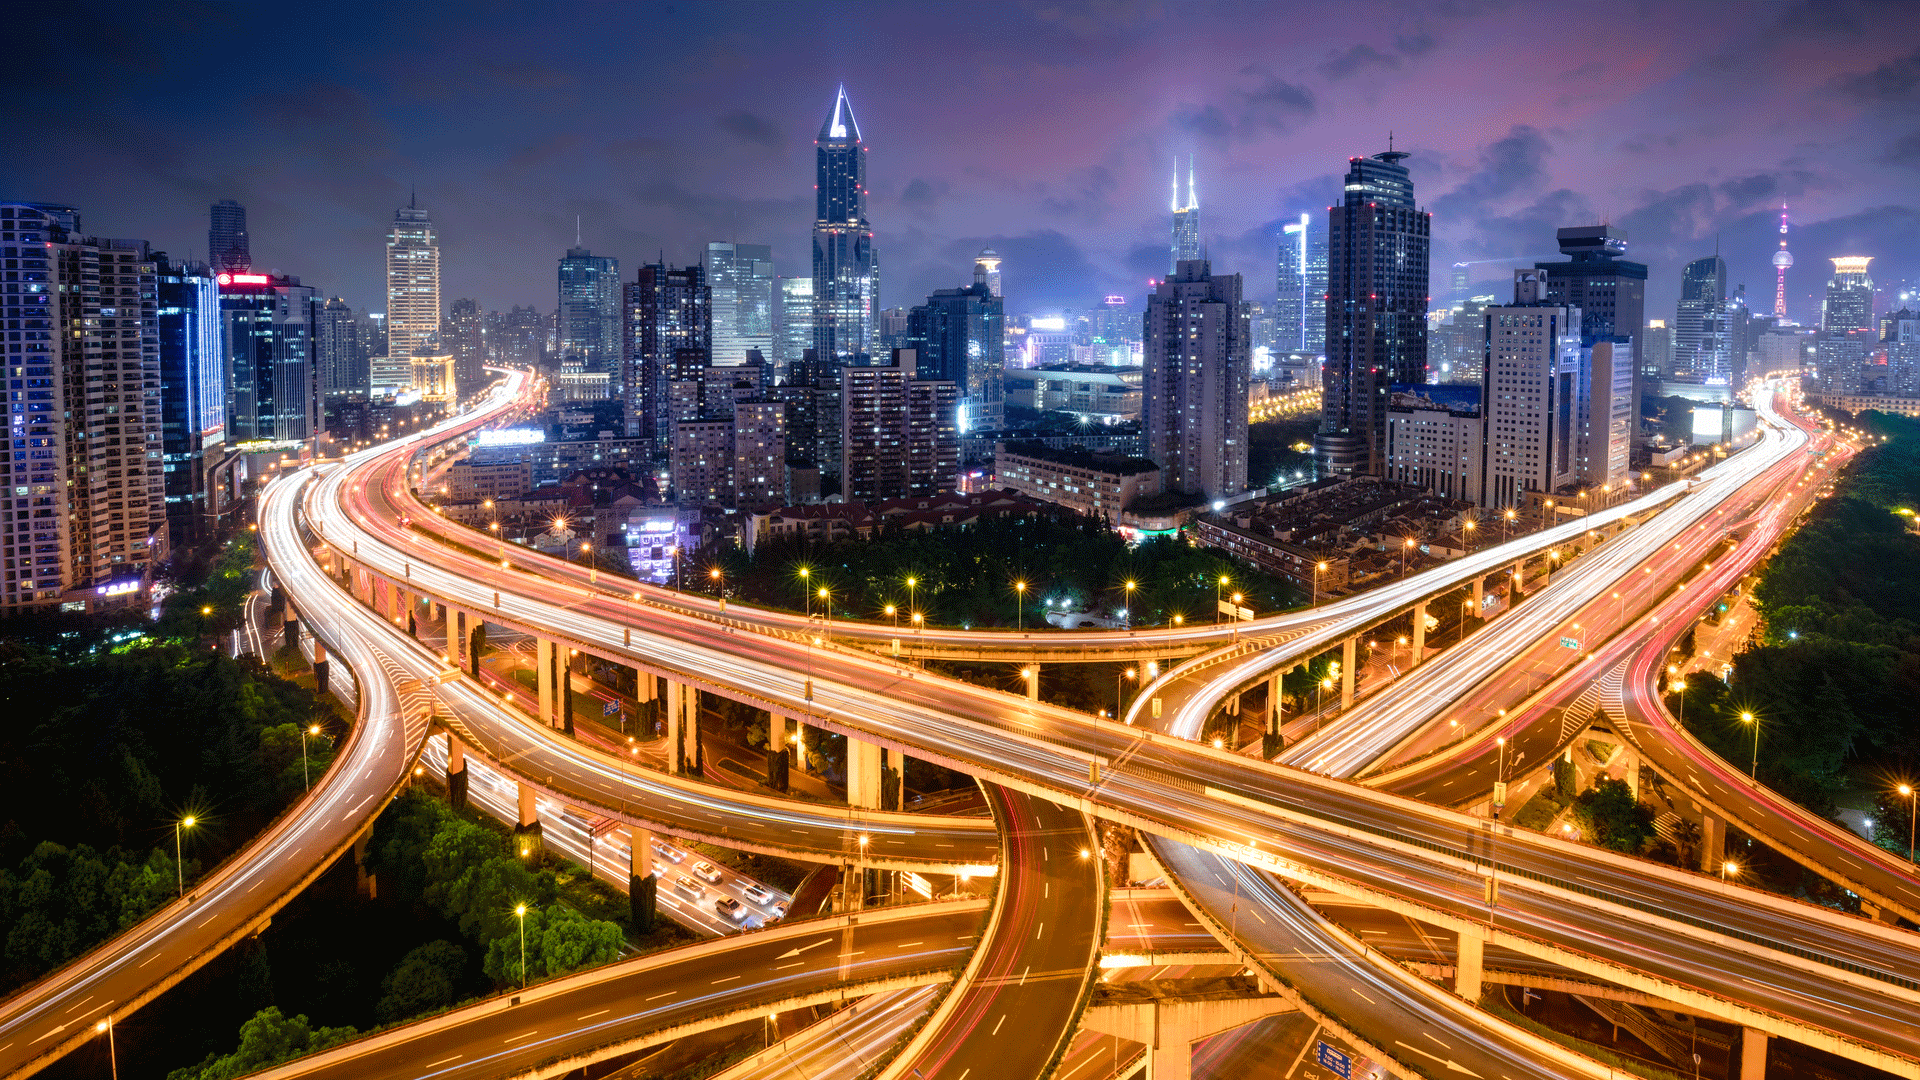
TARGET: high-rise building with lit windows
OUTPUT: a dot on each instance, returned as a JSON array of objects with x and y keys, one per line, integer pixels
[
  {"x": 741, "y": 277},
  {"x": 193, "y": 394},
  {"x": 1194, "y": 394},
  {"x": 84, "y": 519},
  {"x": 1300, "y": 311},
  {"x": 796, "y": 323},
  {"x": 668, "y": 336},
  {"x": 1700, "y": 320},
  {"x": 589, "y": 318},
  {"x": 413, "y": 282},
  {"x": 1376, "y": 309},
  {"x": 846, "y": 284}
]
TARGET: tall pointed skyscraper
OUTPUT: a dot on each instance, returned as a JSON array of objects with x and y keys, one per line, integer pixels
[
  {"x": 1186, "y": 218},
  {"x": 846, "y": 287},
  {"x": 1376, "y": 324},
  {"x": 413, "y": 281}
]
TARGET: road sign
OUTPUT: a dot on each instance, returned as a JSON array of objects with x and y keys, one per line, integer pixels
[
  {"x": 609, "y": 708},
  {"x": 1569, "y": 643},
  {"x": 1499, "y": 793},
  {"x": 1333, "y": 1060}
]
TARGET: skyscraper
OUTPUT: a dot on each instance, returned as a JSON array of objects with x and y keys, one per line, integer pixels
[
  {"x": 273, "y": 383},
  {"x": 340, "y": 351},
  {"x": 986, "y": 271},
  {"x": 1849, "y": 303},
  {"x": 1847, "y": 332},
  {"x": 668, "y": 316},
  {"x": 1782, "y": 262},
  {"x": 590, "y": 312},
  {"x": 193, "y": 393},
  {"x": 413, "y": 282},
  {"x": 1300, "y": 313},
  {"x": 1186, "y": 219},
  {"x": 741, "y": 277},
  {"x": 85, "y": 493},
  {"x": 525, "y": 336},
  {"x": 796, "y": 323},
  {"x": 1376, "y": 309},
  {"x": 1610, "y": 292},
  {"x": 959, "y": 336},
  {"x": 846, "y": 292},
  {"x": 227, "y": 248},
  {"x": 1699, "y": 323},
  {"x": 1194, "y": 397},
  {"x": 1531, "y": 394},
  {"x": 464, "y": 334}
]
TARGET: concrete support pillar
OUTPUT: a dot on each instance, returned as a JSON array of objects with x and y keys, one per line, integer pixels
[
  {"x": 1753, "y": 1054},
  {"x": 1479, "y": 595},
  {"x": 776, "y": 731},
  {"x": 456, "y": 773},
  {"x": 1031, "y": 674},
  {"x": 1469, "y": 958},
  {"x": 863, "y": 774},
  {"x": 527, "y": 841},
  {"x": 1713, "y": 844},
  {"x": 543, "y": 672},
  {"x": 1233, "y": 705},
  {"x": 1346, "y": 672},
  {"x": 1419, "y": 633},
  {"x": 319, "y": 666},
  {"x": 1274, "y": 717},
  {"x": 563, "y": 688},
  {"x": 1519, "y": 578},
  {"x": 290, "y": 632},
  {"x": 682, "y": 711},
  {"x": 639, "y": 852},
  {"x": 896, "y": 794},
  {"x": 456, "y": 653}
]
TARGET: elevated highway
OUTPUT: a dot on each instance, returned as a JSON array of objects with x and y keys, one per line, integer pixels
[{"x": 1725, "y": 952}]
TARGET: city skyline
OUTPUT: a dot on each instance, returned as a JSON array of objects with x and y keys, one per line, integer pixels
[{"x": 1686, "y": 133}]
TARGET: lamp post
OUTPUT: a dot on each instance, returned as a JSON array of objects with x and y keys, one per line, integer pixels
[
  {"x": 719, "y": 579},
  {"x": 912, "y": 603},
  {"x": 1681, "y": 687},
  {"x": 1119, "y": 696},
  {"x": 806, "y": 589},
  {"x": 894, "y": 612},
  {"x": 593, "y": 568},
  {"x": 521, "y": 911},
  {"x": 1467, "y": 527},
  {"x": 1913, "y": 807},
  {"x": 1237, "y": 597},
  {"x": 1317, "y": 567},
  {"x": 1500, "y": 775},
  {"x": 826, "y": 604},
  {"x": 1553, "y": 560},
  {"x": 113, "y": 1055},
  {"x": 1020, "y": 588},
  {"x": 180, "y": 868},
  {"x": 1506, "y": 525},
  {"x": 1219, "y": 589},
  {"x": 1729, "y": 869},
  {"x": 305, "y": 771},
  {"x": 1131, "y": 585},
  {"x": 1753, "y": 775},
  {"x": 1405, "y": 549}
]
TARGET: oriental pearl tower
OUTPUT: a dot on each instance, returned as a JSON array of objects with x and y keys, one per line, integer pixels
[{"x": 1781, "y": 260}]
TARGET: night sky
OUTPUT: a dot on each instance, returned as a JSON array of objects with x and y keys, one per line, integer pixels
[{"x": 1046, "y": 130}]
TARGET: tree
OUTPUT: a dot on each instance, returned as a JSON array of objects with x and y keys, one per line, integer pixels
[
  {"x": 423, "y": 981},
  {"x": 1610, "y": 814},
  {"x": 559, "y": 940},
  {"x": 267, "y": 1039}
]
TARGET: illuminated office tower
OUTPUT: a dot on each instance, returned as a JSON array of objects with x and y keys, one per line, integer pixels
[
  {"x": 668, "y": 338},
  {"x": 1610, "y": 291},
  {"x": 1700, "y": 319},
  {"x": 464, "y": 334},
  {"x": 846, "y": 287},
  {"x": 1300, "y": 313},
  {"x": 193, "y": 394},
  {"x": 1531, "y": 395},
  {"x": 986, "y": 271},
  {"x": 1848, "y": 335},
  {"x": 589, "y": 315},
  {"x": 1376, "y": 309},
  {"x": 413, "y": 282},
  {"x": 959, "y": 336},
  {"x": 741, "y": 277},
  {"x": 796, "y": 323}
]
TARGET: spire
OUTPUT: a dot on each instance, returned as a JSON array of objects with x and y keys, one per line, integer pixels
[
  {"x": 1193, "y": 188},
  {"x": 840, "y": 122},
  {"x": 576, "y": 230},
  {"x": 1174, "y": 202},
  {"x": 413, "y": 197}
]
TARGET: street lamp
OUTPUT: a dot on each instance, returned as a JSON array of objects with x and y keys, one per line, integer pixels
[
  {"x": 1729, "y": 869},
  {"x": 1317, "y": 567},
  {"x": 521, "y": 911},
  {"x": 179, "y": 868},
  {"x": 1913, "y": 805},
  {"x": 1681, "y": 687},
  {"x": 1404, "y": 550},
  {"x": 719, "y": 578},
  {"x": 895, "y": 613},
  {"x": 1020, "y": 587},
  {"x": 826, "y": 602},
  {"x": 1218, "y": 589},
  {"x": 1119, "y": 697},
  {"x": 1748, "y": 718},
  {"x": 1131, "y": 585},
  {"x": 305, "y": 771},
  {"x": 1506, "y": 526},
  {"x": 593, "y": 568},
  {"x": 113, "y": 1055},
  {"x": 912, "y": 582},
  {"x": 1467, "y": 527}
]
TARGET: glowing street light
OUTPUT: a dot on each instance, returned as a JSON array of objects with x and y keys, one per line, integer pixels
[
  {"x": 305, "y": 770},
  {"x": 1747, "y": 718},
  {"x": 1020, "y": 587},
  {"x": 179, "y": 868},
  {"x": 521, "y": 911}
]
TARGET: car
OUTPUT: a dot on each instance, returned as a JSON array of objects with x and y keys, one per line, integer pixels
[
  {"x": 707, "y": 870},
  {"x": 777, "y": 909},
  {"x": 730, "y": 908},
  {"x": 689, "y": 886},
  {"x": 671, "y": 854},
  {"x": 756, "y": 892}
]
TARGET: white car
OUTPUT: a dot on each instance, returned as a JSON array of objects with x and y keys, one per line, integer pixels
[
  {"x": 689, "y": 886},
  {"x": 729, "y": 908},
  {"x": 671, "y": 854},
  {"x": 708, "y": 871},
  {"x": 756, "y": 892}
]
